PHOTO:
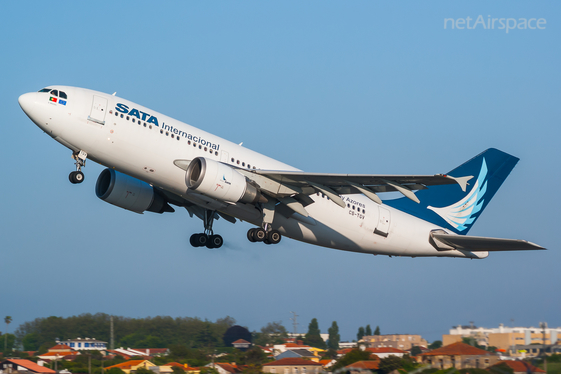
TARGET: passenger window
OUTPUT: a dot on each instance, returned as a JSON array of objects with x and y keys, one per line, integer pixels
[
  {"x": 54, "y": 92},
  {"x": 62, "y": 95}
]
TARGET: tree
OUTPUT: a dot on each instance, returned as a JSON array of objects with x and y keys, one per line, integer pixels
[
  {"x": 7, "y": 320},
  {"x": 313, "y": 337},
  {"x": 9, "y": 343},
  {"x": 360, "y": 333},
  {"x": 416, "y": 350},
  {"x": 389, "y": 364},
  {"x": 368, "y": 330},
  {"x": 350, "y": 358},
  {"x": 334, "y": 337},
  {"x": 271, "y": 333},
  {"x": 435, "y": 345},
  {"x": 377, "y": 331}
]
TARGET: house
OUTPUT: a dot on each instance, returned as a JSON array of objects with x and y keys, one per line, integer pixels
[
  {"x": 400, "y": 341},
  {"x": 184, "y": 367},
  {"x": 361, "y": 366},
  {"x": 381, "y": 352},
  {"x": 460, "y": 356},
  {"x": 241, "y": 344},
  {"x": 298, "y": 353},
  {"x": 292, "y": 365},
  {"x": 59, "y": 352},
  {"x": 13, "y": 366},
  {"x": 225, "y": 368},
  {"x": 132, "y": 365},
  {"x": 520, "y": 367},
  {"x": 85, "y": 344}
]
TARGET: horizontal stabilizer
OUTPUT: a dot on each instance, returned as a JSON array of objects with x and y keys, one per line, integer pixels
[{"x": 446, "y": 242}]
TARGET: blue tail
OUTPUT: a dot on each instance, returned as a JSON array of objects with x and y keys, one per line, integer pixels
[{"x": 450, "y": 207}]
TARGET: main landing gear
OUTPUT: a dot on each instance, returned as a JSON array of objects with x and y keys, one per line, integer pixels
[
  {"x": 77, "y": 176},
  {"x": 207, "y": 238},
  {"x": 259, "y": 234}
]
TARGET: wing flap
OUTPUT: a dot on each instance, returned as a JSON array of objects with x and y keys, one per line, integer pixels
[{"x": 446, "y": 242}]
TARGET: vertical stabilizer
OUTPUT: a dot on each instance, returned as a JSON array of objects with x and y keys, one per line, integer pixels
[{"x": 450, "y": 207}]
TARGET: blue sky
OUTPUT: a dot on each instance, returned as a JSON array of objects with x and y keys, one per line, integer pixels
[{"x": 341, "y": 87}]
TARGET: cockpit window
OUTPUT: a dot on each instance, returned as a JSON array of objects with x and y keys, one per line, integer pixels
[
  {"x": 45, "y": 90},
  {"x": 54, "y": 92},
  {"x": 62, "y": 95}
]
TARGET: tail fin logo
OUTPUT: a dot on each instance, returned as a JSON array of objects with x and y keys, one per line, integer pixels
[{"x": 463, "y": 213}]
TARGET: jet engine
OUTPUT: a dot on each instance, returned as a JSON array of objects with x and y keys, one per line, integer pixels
[
  {"x": 220, "y": 181},
  {"x": 129, "y": 193}
]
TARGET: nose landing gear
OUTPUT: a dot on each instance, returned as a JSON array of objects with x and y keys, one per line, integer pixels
[
  {"x": 77, "y": 176},
  {"x": 207, "y": 238}
]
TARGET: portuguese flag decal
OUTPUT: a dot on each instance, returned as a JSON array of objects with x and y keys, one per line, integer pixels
[{"x": 53, "y": 99}]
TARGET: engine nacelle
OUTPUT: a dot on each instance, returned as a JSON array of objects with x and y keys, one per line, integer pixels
[
  {"x": 129, "y": 193},
  {"x": 220, "y": 181}
]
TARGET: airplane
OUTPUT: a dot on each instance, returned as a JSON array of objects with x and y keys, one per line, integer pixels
[{"x": 154, "y": 161}]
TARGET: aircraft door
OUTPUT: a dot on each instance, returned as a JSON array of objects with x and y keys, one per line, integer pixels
[
  {"x": 224, "y": 157},
  {"x": 99, "y": 107},
  {"x": 383, "y": 226}
]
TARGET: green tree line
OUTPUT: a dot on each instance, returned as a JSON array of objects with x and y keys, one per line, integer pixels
[{"x": 149, "y": 332}]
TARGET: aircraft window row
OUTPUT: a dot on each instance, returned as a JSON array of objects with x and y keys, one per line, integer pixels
[
  {"x": 357, "y": 208},
  {"x": 240, "y": 163},
  {"x": 56, "y": 93},
  {"x": 173, "y": 136}
]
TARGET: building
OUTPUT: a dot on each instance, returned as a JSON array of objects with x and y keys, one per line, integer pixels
[
  {"x": 381, "y": 352},
  {"x": 460, "y": 356},
  {"x": 400, "y": 341},
  {"x": 132, "y": 365},
  {"x": 16, "y": 366},
  {"x": 85, "y": 344},
  {"x": 362, "y": 366},
  {"x": 241, "y": 344},
  {"x": 521, "y": 367},
  {"x": 59, "y": 352},
  {"x": 511, "y": 339},
  {"x": 298, "y": 353},
  {"x": 292, "y": 366}
]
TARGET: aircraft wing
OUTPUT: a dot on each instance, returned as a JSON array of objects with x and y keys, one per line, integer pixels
[
  {"x": 334, "y": 184},
  {"x": 445, "y": 242}
]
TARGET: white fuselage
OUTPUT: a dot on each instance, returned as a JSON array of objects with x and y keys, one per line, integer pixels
[{"x": 147, "y": 148}]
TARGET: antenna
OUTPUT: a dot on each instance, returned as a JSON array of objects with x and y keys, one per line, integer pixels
[
  {"x": 112, "y": 341},
  {"x": 294, "y": 323}
]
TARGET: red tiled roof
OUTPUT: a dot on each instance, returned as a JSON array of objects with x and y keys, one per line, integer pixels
[
  {"x": 57, "y": 354},
  {"x": 457, "y": 349},
  {"x": 61, "y": 347},
  {"x": 370, "y": 365},
  {"x": 521, "y": 366},
  {"x": 228, "y": 367},
  {"x": 385, "y": 350},
  {"x": 127, "y": 364},
  {"x": 292, "y": 361},
  {"x": 32, "y": 366},
  {"x": 241, "y": 341}
]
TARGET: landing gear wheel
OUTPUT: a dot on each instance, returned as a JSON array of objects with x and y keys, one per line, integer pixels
[
  {"x": 76, "y": 177},
  {"x": 202, "y": 240},
  {"x": 259, "y": 234},
  {"x": 250, "y": 235},
  {"x": 193, "y": 240},
  {"x": 274, "y": 237},
  {"x": 198, "y": 240},
  {"x": 215, "y": 241}
]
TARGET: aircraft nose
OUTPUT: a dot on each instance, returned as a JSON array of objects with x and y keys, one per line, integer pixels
[{"x": 26, "y": 102}]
